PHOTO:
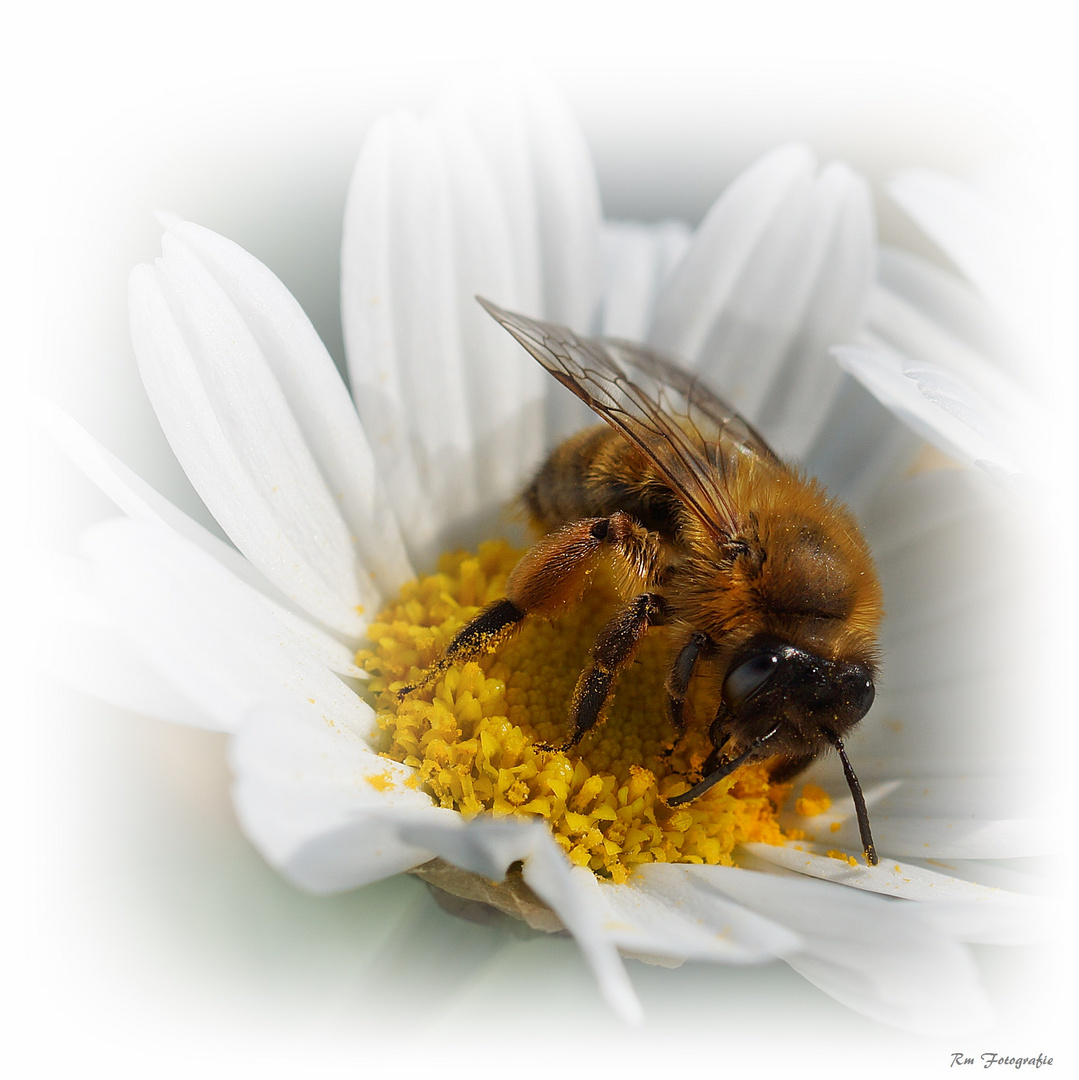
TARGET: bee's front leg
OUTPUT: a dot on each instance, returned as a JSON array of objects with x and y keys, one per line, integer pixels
[
  {"x": 615, "y": 648},
  {"x": 719, "y": 735},
  {"x": 681, "y": 673},
  {"x": 550, "y": 577}
]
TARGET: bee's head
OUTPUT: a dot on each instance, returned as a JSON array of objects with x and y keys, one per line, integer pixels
[{"x": 770, "y": 681}]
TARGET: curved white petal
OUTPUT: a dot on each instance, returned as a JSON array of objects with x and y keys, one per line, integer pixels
[
  {"x": 320, "y": 804},
  {"x": 637, "y": 260},
  {"x": 876, "y": 956},
  {"x": 963, "y": 909},
  {"x": 948, "y": 302},
  {"x": 970, "y": 228},
  {"x": 489, "y": 845},
  {"x": 708, "y": 275},
  {"x": 948, "y": 692},
  {"x": 316, "y": 398},
  {"x": 453, "y": 410},
  {"x": 948, "y": 838},
  {"x": 222, "y": 642},
  {"x": 933, "y": 329},
  {"x": 543, "y": 172},
  {"x": 135, "y": 497},
  {"x": 81, "y": 646},
  {"x": 228, "y": 420},
  {"x": 860, "y": 446},
  {"x": 779, "y": 270},
  {"x": 332, "y": 815},
  {"x": 931, "y": 816},
  {"x": 936, "y": 405},
  {"x": 668, "y": 919}
]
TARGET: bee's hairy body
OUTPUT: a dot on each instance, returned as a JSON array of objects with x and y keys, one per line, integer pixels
[
  {"x": 797, "y": 568},
  {"x": 761, "y": 582}
]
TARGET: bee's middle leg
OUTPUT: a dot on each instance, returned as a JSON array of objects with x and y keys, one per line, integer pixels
[{"x": 613, "y": 651}]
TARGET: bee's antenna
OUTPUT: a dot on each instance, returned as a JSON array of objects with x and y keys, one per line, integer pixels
[
  {"x": 859, "y": 800},
  {"x": 722, "y": 772}
]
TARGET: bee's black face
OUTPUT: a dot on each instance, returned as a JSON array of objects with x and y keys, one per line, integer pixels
[{"x": 776, "y": 681}]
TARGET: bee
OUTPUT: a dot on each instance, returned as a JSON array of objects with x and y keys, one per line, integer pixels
[{"x": 761, "y": 581}]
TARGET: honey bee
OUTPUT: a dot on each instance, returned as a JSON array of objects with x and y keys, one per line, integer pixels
[{"x": 760, "y": 580}]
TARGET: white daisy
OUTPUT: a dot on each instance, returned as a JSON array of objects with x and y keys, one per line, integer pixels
[{"x": 334, "y": 502}]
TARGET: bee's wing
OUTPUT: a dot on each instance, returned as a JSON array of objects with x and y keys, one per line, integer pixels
[{"x": 679, "y": 424}]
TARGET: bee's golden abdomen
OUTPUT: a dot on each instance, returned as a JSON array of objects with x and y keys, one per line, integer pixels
[{"x": 595, "y": 473}]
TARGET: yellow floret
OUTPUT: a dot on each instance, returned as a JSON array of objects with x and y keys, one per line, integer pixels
[{"x": 472, "y": 734}]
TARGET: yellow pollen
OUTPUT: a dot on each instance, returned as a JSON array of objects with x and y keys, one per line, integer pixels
[
  {"x": 812, "y": 801},
  {"x": 472, "y": 734},
  {"x": 843, "y": 856}
]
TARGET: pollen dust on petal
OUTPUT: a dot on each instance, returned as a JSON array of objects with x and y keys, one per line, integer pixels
[
  {"x": 812, "y": 801},
  {"x": 472, "y": 734}
]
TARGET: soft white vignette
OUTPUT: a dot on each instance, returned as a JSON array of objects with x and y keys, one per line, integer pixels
[{"x": 160, "y": 925}]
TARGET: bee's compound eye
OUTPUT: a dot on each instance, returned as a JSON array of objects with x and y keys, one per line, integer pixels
[
  {"x": 863, "y": 691},
  {"x": 743, "y": 681}
]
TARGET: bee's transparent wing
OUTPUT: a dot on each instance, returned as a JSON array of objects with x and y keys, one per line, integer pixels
[{"x": 679, "y": 424}]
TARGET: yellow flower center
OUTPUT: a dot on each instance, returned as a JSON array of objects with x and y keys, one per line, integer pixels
[{"x": 472, "y": 734}]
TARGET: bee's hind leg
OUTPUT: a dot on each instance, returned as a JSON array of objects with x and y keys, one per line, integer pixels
[
  {"x": 614, "y": 650},
  {"x": 549, "y": 578},
  {"x": 486, "y": 631}
]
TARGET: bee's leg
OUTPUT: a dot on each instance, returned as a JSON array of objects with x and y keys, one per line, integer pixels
[
  {"x": 678, "y": 680},
  {"x": 719, "y": 735},
  {"x": 614, "y": 649},
  {"x": 549, "y": 578},
  {"x": 488, "y": 629}
]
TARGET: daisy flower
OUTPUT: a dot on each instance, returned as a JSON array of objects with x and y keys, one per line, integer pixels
[{"x": 345, "y": 508}]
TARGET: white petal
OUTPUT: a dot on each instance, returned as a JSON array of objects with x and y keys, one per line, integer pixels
[
  {"x": 637, "y": 260},
  {"x": 222, "y": 642},
  {"x": 964, "y": 909},
  {"x": 707, "y": 276},
  {"x": 316, "y": 396},
  {"x": 876, "y": 956},
  {"x": 838, "y": 256},
  {"x": 656, "y": 916},
  {"x": 950, "y": 687},
  {"x": 452, "y": 408},
  {"x": 544, "y": 174},
  {"x": 135, "y": 497},
  {"x": 949, "y": 303},
  {"x": 82, "y": 647},
  {"x": 229, "y": 424},
  {"x": 488, "y": 846},
  {"x": 779, "y": 270},
  {"x": 320, "y": 805},
  {"x": 970, "y": 228},
  {"x": 859, "y": 447},
  {"x": 934, "y": 404},
  {"x": 946, "y": 838},
  {"x": 932, "y": 816},
  {"x": 907, "y": 331}
]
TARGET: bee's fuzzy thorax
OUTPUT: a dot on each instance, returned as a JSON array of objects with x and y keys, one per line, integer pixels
[{"x": 798, "y": 568}]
